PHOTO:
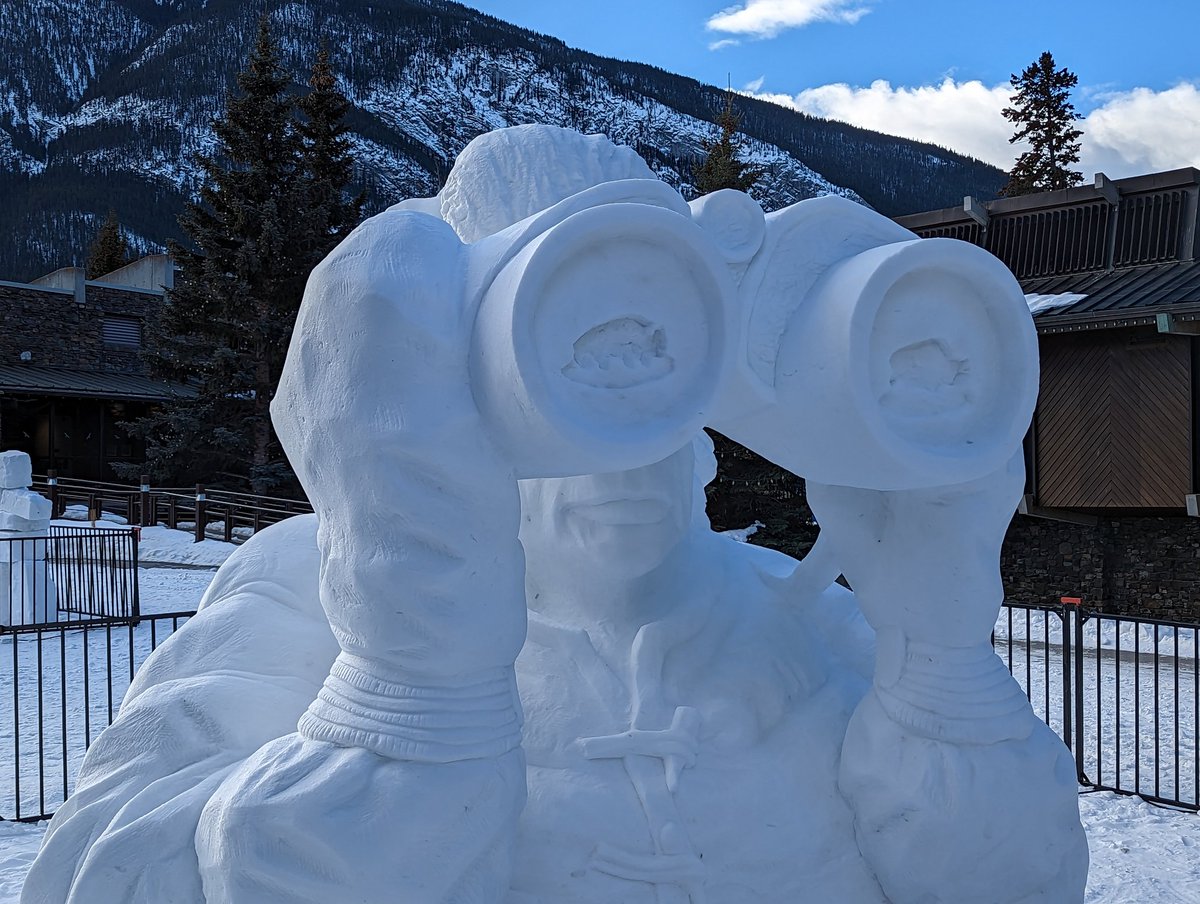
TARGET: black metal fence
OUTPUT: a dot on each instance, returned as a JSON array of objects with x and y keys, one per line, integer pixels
[
  {"x": 67, "y": 683},
  {"x": 69, "y": 573},
  {"x": 217, "y": 514},
  {"x": 1122, "y": 692}
]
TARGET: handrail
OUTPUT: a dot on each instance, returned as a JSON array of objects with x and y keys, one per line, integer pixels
[{"x": 193, "y": 509}]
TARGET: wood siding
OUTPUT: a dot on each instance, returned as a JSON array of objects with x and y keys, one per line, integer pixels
[{"x": 1114, "y": 421}]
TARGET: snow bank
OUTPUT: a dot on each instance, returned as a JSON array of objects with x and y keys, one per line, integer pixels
[{"x": 160, "y": 545}]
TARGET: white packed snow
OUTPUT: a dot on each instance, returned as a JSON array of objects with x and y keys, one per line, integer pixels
[
  {"x": 161, "y": 545},
  {"x": 1039, "y": 303}
]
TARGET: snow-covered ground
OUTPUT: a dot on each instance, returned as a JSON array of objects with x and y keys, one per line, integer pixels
[
  {"x": 1141, "y": 688},
  {"x": 161, "y": 545},
  {"x": 1141, "y": 854},
  {"x": 85, "y": 672}
]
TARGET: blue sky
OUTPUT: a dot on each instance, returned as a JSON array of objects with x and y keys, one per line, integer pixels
[{"x": 931, "y": 69}]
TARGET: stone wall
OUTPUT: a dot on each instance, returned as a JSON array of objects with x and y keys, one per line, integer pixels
[
  {"x": 1133, "y": 566},
  {"x": 61, "y": 333}
]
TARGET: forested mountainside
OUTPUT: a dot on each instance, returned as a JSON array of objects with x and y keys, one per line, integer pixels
[{"x": 106, "y": 104}]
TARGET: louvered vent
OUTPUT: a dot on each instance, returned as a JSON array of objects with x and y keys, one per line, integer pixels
[
  {"x": 122, "y": 331},
  {"x": 966, "y": 232},
  {"x": 1052, "y": 242},
  {"x": 1149, "y": 228}
]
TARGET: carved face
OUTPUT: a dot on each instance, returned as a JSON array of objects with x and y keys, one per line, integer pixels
[{"x": 623, "y": 523}]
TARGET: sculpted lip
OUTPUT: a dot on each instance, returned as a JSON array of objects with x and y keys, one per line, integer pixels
[{"x": 647, "y": 510}]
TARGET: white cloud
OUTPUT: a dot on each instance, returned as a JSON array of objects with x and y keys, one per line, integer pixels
[
  {"x": 755, "y": 85},
  {"x": 964, "y": 116},
  {"x": 724, "y": 42},
  {"x": 767, "y": 18},
  {"x": 1142, "y": 131},
  {"x": 1128, "y": 133}
]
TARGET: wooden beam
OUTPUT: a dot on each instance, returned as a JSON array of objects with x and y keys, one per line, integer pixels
[
  {"x": 976, "y": 210},
  {"x": 1108, "y": 188}
]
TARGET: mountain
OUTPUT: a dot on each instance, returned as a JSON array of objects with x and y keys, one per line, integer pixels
[{"x": 106, "y": 103}]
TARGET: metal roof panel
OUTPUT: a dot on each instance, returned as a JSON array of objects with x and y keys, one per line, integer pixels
[
  {"x": 32, "y": 379},
  {"x": 1132, "y": 291}
]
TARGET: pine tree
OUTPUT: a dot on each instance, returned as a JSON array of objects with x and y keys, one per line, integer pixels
[
  {"x": 109, "y": 251},
  {"x": 328, "y": 164},
  {"x": 226, "y": 325},
  {"x": 1044, "y": 115},
  {"x": 722, "y": 166},
  {"x": 749, "y": 488}
]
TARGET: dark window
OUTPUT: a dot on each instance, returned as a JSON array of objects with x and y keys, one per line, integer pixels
[{"x": 123, "y": 331}]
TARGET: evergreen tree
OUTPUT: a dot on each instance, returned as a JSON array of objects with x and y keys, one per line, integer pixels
[
  {"x": 749, "y": 488},
  {"x": 226, "y": 325},
  {"x": 109, "y": 251},
  {"x": 722, "y": 166},
  {"x": 328, "y": 164},
  {"x": 1044, "y": 115}
]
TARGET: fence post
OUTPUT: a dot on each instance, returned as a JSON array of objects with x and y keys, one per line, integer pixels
[
  {"x": 1080, "y": 618},
  {"x": 1068, "y": 714},
  {"x": 144, "y": 504},
  {"x": 137, "y": 596},
  {"x": 201, "y": 512},
  {"x": 52, "y": 488},
  {"x": 1073, "y": 619}
]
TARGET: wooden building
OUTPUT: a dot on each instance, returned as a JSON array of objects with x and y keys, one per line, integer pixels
[
  {"x": 1115, "y": 287},
  {"x": 71, "y": 371}
]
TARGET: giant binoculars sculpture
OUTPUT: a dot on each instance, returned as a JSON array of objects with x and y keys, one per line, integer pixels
[{"x": 858, "y": 355}]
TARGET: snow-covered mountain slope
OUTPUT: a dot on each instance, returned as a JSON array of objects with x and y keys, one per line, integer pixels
[{"x": 106, "y": 103}]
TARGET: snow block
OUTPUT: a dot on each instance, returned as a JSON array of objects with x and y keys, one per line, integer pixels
[
  {"x": 27, "y": 594},
  {"x": 13, "y": 522},
  {"x": 25, "y": 504},
  {"x": 16, "y": 470},
  {"x": 18, "y": 546}
]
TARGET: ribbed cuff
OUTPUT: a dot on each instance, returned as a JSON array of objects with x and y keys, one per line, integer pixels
[
  {"x": 414, "y": 718},
  {"x": 963, "y": 695}
]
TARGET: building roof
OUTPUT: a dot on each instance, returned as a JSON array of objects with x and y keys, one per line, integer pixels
[
  {"x": 1129, "y": 296},
  {"x": 31, "y": 379},
  {"x": 1130, "y": 247}
]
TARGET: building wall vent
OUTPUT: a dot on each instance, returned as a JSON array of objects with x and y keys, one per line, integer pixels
[
  {"x": 1052, "y": 242},
  {"x": 125, "y": 332},
  {"x": 1150, "y": 227}
]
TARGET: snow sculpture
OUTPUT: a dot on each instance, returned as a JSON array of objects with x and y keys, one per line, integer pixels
[
  {"x": 944, "y": 762},
  {"x": 685, "y": 701},
  {"x": 342, "y": 720},
  {"x": 27, "y": 591}
]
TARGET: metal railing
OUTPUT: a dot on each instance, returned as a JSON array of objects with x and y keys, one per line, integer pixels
[
  {"x": 69, "y": 574},
  {"x": 1122, "y": 692},
  {"x": 203, "y": 512},
  {"x": 67, "y": 683}
]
